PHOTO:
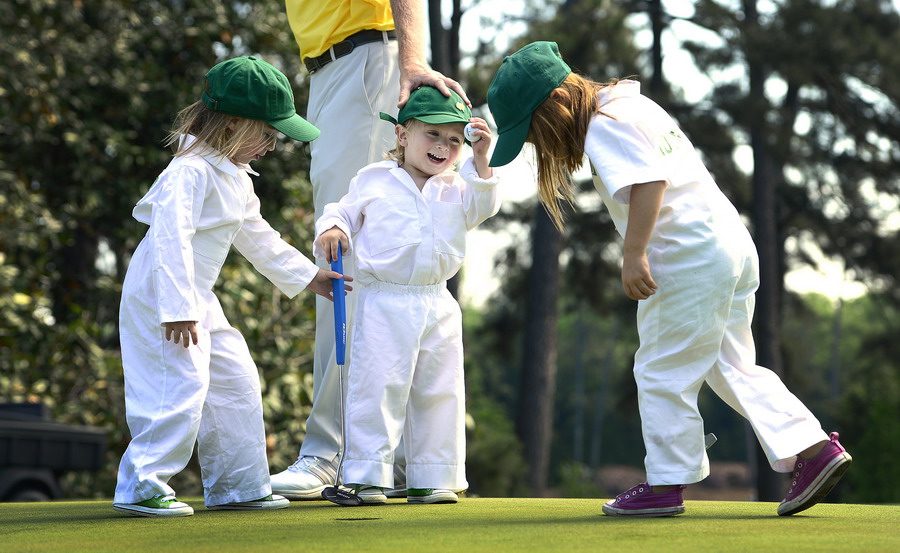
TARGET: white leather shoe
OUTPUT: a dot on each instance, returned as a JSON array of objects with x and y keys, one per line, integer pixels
[{"x": 305, "y": 479}]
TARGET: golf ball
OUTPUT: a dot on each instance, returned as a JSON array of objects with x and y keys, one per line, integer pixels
[{"x": 470, "y": 131}]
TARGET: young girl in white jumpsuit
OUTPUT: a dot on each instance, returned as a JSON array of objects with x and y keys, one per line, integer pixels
[
  {"x": 408, "y": 219},
  {"x": 687, "y": 257},
  {"x": 189, "y": 376}
]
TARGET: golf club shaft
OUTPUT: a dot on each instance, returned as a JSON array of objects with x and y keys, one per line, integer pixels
[{"x": 340, "y": 348}]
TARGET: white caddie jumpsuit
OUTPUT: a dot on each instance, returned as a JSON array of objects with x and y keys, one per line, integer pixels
[
  {"x": 406, "y": 373},
  {"x": 209, "y": 393},
  {"x": 696, "y": 327}
]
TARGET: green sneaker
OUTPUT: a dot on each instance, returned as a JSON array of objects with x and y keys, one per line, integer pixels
[
  {"x": 429, "y": 495},
  {"x": 158, "y": 506},
  {"x": 265, "y": 503}
]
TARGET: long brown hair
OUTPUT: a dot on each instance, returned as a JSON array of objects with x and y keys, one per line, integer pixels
[
  {"x": 558, "y": 130},
  {"x": 224, "y": 133}
]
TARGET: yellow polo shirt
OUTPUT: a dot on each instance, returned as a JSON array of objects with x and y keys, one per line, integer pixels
[{"x": 318, "y": 24}]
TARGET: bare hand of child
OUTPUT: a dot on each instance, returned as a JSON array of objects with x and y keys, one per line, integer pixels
[
  {"x": 481, "y": 148},
  {"x": 183, "y": 332},
  {"x": 331, "y": 240},
  {"x": 636, "y": 277},
  {"x": 321, "y": 284}
]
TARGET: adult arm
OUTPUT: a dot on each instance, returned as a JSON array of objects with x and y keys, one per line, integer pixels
[{"x": 409, "y": 22}]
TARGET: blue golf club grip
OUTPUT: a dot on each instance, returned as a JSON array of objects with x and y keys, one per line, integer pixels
[{"x": 340, "y": 311}]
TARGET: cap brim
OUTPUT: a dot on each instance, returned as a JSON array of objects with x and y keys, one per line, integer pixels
[
  {"x": 510, "y": 143},
  {"x": 297, "y": 128}
]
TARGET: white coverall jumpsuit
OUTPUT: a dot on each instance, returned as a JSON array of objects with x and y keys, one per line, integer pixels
[
  {"x": 208, "y": 393},
  {"x": 696, "y": 327},
  {"x": 406, "y": 373}
]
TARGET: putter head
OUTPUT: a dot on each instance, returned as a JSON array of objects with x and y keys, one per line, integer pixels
[
  {"x": 709, "y": 440},
  {"x": 341, "y": 497}
]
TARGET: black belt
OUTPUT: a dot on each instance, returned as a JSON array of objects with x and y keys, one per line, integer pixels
[{"x": 346, "y": 46}]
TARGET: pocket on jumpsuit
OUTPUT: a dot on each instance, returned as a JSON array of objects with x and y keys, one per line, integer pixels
[
  {"x": 449, "y": 228},
  {"x": 392, "y": 222}
]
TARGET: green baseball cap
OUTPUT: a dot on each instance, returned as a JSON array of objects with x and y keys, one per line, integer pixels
[
  {"x": 525, "y": 79},
  {"x": 250, "y": 88},
  {"x": 429, "y": 105}
]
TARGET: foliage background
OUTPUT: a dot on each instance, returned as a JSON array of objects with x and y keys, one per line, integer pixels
[{"x": 89, "y": 88}]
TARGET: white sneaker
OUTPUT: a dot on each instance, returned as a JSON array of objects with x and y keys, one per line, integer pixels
[
  {"x": 264, "y": 504},
  {"x": 305, "y": 479}
]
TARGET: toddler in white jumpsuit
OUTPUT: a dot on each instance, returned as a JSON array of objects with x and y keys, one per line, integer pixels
[
  {"x": 696, "y": 307},
  {"x": 408, "y": 218},
  {"x": 189, "y": 376}
]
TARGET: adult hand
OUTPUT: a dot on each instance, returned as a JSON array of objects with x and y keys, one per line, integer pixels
[{"x": 416, "y": 74}]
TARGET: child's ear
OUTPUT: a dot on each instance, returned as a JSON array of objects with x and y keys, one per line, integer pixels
[{"x": 402, "y": 135}]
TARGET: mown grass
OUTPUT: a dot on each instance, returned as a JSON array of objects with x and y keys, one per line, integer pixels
[{"x": 473, "y": 525}]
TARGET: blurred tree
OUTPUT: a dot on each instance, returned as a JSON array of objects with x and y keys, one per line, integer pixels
[
  {"x": 89, "y": 91},
  {"x": 820, "y": 119}
]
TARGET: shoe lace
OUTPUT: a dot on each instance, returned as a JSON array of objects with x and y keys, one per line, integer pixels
[{"x": 302, "y": 463}]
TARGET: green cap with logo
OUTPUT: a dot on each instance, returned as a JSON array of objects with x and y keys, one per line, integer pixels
[
  {"x": 429, "y": 105},
  {"x": 525, "y": 79},
  {"x": 250, "y": 88}
]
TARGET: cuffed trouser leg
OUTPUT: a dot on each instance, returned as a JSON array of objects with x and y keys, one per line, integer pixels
[
  {"x": 783, "y": 425},
  {"x": 165, "y": 387},
  {"x": 232, "y": 440},
  {"x": 681, "y": 328},
  {"x": 435, "y": 423}
]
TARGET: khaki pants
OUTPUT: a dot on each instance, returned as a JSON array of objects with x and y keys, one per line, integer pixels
[{"x": 345, "y": 99}]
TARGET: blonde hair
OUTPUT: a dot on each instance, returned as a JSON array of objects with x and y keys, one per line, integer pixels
[
  {"x": 226, "y": 134},
  {"x": 558, "y": 130},
  {"x": 398, "y": 152}
]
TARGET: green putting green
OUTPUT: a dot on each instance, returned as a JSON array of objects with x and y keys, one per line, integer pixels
[{"x": 472, "y": 525}]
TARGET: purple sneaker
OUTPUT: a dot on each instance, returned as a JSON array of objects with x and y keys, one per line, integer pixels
[
  {"x": 814, "y": 478},
  {"x": 640, "y": 501}
]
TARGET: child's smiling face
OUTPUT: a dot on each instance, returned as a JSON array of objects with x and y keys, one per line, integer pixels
[{"x": 429, "y": 149}]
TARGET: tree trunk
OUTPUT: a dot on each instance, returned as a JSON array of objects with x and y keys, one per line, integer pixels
[
  {"x": 535, "y": 417},
  {"x": 657, "y": 85},
  {"x": 769, "y": 485}
]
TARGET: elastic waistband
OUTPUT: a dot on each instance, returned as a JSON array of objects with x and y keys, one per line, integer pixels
[{"x": 420, "y": 290}]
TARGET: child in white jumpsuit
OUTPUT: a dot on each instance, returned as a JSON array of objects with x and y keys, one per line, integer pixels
[
  {"x": 696, "y": 307},
  {"x": 189, "y": 376},
  {"x": 408, "y": 219}
]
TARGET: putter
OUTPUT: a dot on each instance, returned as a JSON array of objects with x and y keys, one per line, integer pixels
[{"x": 334, "y": 493}]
